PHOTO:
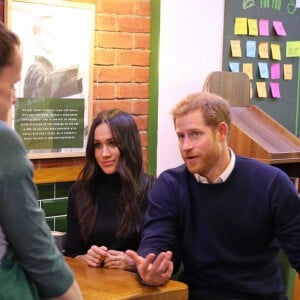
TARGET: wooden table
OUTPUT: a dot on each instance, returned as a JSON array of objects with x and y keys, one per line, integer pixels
[{"x": 111, "y": 284}]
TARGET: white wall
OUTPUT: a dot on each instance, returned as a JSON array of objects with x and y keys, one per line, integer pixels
[{"x": 191, "y": 42}]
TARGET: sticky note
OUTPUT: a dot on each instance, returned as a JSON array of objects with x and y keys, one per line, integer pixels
[
  {"x": 252, "y": 27},
  {"x": 250, "y": 48},
  {"x": 275, "y": 50},
  {"x": 275, "y": 71},
  {"x": 240, "y": 26},
  {"x": 234, "y": 66},
  {"x": 261, "y": 89},
  {"x": 236, "y": 48},
  {"x": 279, "y": 29},
  {"x": 248, "y": 69},
  {"x": 275, "y": 89},
  {"x": 293, "y": 49},
  {"x": 263, "y": 70},
  {"x": 287, "y": 71},
  {"x": 264, "y": 27},
  {"x": 263, "y": 50}
]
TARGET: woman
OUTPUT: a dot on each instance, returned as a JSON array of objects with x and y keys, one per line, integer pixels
[
  {"x": 31, "y": 267},
  {"x": 105, "y": 207}
]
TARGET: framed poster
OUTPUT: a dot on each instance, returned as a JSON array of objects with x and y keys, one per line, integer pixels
[{"x": 53, "y": 112}]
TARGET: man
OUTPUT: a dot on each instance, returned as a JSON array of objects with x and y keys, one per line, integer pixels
[
  {"x": 223, "y": 216},
  {"x": 31, "y": 266},
  {"x": 42, "y": 79}
]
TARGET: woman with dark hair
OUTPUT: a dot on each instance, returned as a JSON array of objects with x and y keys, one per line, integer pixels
[{"x": 106, "y": 204}]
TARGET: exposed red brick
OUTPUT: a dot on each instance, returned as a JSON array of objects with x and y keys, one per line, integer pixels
[
  {"x": 143, "y": 8},
  {"x": 141, "y": 58},
  {"x": 105, "y": 22},
  {"x": 118, "y": 40},
  {"x": 114, "y": 74},
  {"x": 133, "y": 24},
  {"x": 104, "y": 56},
  {"x": 109, "y": 104},
  {"x": 142, "y": 41},
  {"x": 141, "y": 74},
  {"x": 133, "y": 91},
  {"x": 115, "y": 6},
  {"x": 141, "y": 122},
  {"x": 104, "y": 91},
  {"x": 124, "y": 57},
  {"x": 140, "y": 107}
]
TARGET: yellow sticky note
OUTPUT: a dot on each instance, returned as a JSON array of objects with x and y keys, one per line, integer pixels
[
  {"x": 275, "y": 49},
  {"x": 248, "y": 69},
  {"x": 261, "y": 89},
  {"x": 287, "y": 71},
  {"x": 236, "y": 48},
  {"x": 293, "y": 49},
  {"x": 263, "y": 50},
  {"x": 252, "y": 27},
  {"x": 240, "y": 26}
]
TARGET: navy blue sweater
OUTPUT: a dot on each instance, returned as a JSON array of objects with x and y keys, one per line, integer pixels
[{"x": 227, "y": 235}]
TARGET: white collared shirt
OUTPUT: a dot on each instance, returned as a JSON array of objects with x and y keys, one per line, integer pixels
[{"x": 223, "y": 177}]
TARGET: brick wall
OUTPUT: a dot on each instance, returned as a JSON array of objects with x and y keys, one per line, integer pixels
[{"x": 121, "y": 65}]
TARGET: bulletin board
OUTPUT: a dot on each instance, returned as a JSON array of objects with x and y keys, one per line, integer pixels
[{"x": 262, "y": 39}]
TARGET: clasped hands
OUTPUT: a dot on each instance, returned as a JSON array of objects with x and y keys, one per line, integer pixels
[{"x": 112, "y": 259}]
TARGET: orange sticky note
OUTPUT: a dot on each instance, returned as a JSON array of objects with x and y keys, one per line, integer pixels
[
  {"x": 287, "y": 71},
  {"x": 248, "y": 69},
  {"x": 236, "y": 48},
  {"x": 261, "y": 89},
  {"x": 263, "y": 50}
]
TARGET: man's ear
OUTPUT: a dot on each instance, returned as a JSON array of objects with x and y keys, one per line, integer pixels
[{"x": 222, "y": 131}]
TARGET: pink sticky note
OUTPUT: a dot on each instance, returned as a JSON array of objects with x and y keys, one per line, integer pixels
[
  {"x": 275, "y": 89},
  {"x": 264, "y": 27},
  {"x": 275, "y": 71},
  {"x": 278, "y": 26}
]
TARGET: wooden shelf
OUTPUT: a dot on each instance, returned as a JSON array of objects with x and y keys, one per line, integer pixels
[
  {"x": 53, "y": 175},
  {"x": 255, "y": 134}
]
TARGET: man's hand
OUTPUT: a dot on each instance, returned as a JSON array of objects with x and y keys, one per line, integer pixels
[{"x": 153, "y": 270}]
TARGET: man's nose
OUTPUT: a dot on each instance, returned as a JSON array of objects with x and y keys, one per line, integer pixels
[{"x": 186, "y": 143}]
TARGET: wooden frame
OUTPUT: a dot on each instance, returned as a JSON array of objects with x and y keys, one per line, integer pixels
[{"x": 53, "y": 112}]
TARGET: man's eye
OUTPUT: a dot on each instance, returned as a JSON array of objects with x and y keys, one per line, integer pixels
[{"x": 195, "y": 134}]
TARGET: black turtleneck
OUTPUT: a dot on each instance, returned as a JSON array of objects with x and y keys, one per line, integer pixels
[{"x": 105, "y": 228}]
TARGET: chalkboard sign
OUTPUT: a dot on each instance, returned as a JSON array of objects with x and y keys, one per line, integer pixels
[{"x": 262, "y": 39}]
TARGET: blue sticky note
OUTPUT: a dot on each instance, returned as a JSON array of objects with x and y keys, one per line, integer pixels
[
  {"x": 250, "y": 48},
  {"x": 263, "y": 70},
  {"x": 234, "y": 66}
]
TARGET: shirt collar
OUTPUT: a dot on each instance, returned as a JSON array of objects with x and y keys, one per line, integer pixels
[{"x": 224, "y": 176}]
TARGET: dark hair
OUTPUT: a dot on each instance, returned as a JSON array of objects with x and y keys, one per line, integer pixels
[
  {"x": 8, "y": 42},
  {"x": 134, "y": 182}
]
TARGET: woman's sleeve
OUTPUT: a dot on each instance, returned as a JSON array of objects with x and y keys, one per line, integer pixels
[{"x": 74, "y": 243}]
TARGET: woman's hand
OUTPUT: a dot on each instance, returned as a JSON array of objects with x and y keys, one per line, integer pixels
[
  {"x": 95, "y": 256},
  {"x": 118, "y": 260}
]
